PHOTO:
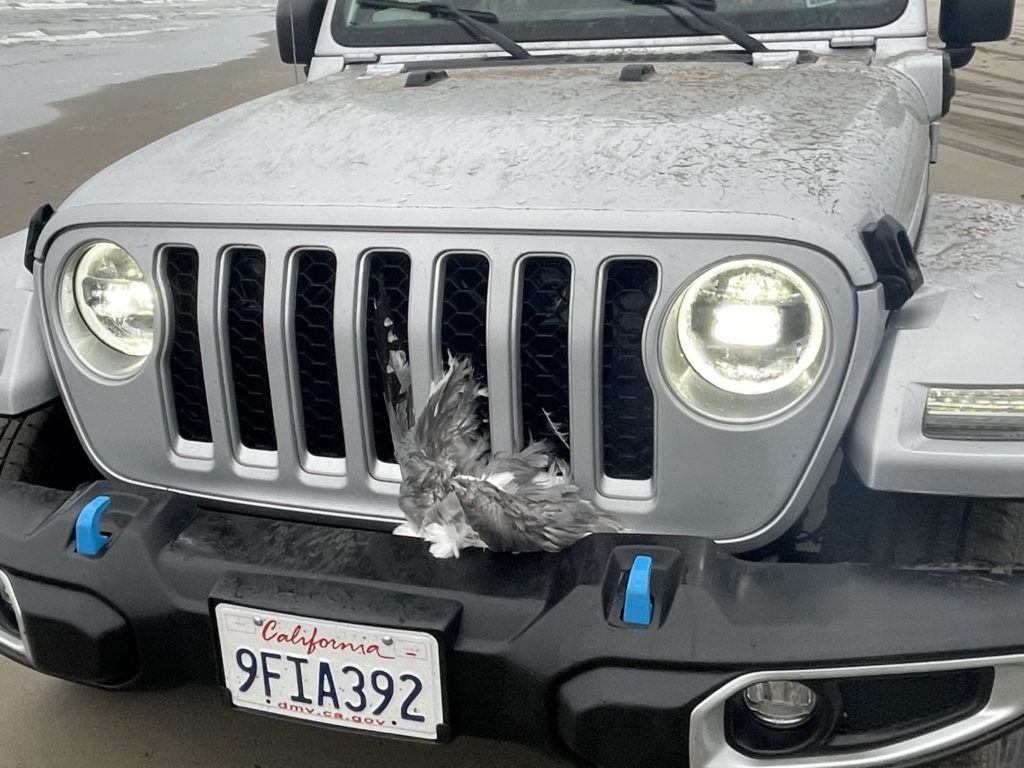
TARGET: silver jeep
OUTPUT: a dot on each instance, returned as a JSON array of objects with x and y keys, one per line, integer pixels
[{"x": 688, "y": 245}]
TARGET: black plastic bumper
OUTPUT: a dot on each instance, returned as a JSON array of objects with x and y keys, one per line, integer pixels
[{"x": 536, "y": 651}]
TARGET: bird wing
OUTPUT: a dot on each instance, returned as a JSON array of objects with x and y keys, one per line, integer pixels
[
  {"x": 456, "y": 493},
  {"x": 516, "y": 522},
  {"x": 448, "y": 429}
]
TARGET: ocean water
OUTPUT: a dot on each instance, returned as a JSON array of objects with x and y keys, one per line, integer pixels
[
  {"x": 42, "y": 22},
  {"x": 53, "y": 50}
]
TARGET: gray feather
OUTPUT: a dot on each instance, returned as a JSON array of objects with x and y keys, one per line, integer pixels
[
  {"x": 514, "y": 522},
  {"x": 457, "y": 494}
]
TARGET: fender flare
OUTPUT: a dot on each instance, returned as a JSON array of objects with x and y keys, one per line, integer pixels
[
  {"x": 961, "y": 330},
  {"x": 26, "y": 378}
]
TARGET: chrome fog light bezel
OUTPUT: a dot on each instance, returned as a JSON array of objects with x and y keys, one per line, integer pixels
[
  {"x": 14, "y": 644},
  {"x": 712, "y": 743},
  {"x": 82, "y": 337}
]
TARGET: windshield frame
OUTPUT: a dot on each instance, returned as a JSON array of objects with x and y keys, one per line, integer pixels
[{"x": 646, "y": 30}]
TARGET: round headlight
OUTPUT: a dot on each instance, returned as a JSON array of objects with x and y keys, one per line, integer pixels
[
  {"x": 751, "y": 327},
  {"x": 745, "y": 339},
  {"x": 114, "y": 299}
]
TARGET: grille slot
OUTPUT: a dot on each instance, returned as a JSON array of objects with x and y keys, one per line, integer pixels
[
  {"x": 627, "y": 403},
  {"x": 387, "y": 297},
  {"x": 544, "y": 350},
  {"x": 248, "y": 349},
  {"x": 316, "y": 272},
  {"x": 464, "y": 314},
  {"x": 186, "y": 360}
]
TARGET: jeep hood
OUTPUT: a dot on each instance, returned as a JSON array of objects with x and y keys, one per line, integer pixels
[{"x": 837, "y": 143}]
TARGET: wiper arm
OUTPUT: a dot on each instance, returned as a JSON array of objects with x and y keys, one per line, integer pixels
[
  {"x": 704, "y": 11},
  {"x": 477, "y": 23}
]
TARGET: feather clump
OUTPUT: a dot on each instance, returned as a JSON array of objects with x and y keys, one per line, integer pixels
[{"x": 457, "y": 494}]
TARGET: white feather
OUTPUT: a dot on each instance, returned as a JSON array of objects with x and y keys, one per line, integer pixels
[
  {"x": 408, "y": 529},
  {"x": 562, "y": 435}
]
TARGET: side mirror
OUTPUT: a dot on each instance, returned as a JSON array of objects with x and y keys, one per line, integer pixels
[
  {"x": 298, "y": 25},
  {"x": 962, "y": 23}
]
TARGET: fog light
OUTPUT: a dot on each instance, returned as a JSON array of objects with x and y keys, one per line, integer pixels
[
  {"x": 781, "y": 703},
  {"x": 975, "y": 414}
]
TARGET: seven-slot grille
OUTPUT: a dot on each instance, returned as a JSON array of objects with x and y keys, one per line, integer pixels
[{"x": 542, "y": 297}]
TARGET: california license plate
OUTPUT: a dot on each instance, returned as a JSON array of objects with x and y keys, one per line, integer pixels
[{"x": 374, "y": 679}]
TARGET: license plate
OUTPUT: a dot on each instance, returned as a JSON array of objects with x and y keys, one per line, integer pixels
[{"x": 374, "y": 679}]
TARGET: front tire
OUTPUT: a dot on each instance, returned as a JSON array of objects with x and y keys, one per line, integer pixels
[{"x": 41, "y": 448}]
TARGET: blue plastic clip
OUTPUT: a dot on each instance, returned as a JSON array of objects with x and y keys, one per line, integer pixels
[
  {"x": 639, "y": 608},
  {"x": 88, "y": 539}
]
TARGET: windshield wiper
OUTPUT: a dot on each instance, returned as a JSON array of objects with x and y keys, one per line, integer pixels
[
  {"x": 477, "y": 23},
  {"x": 704, "y": 11}
]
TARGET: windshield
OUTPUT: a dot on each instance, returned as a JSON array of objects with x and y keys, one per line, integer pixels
[{"x": 358, "y": 25}]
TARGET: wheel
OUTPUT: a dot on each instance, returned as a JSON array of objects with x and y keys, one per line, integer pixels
[
  {"x": 994, "y": 534},
  {"x": 41, "y": 448},
  {"x": 905, "y": 530}
]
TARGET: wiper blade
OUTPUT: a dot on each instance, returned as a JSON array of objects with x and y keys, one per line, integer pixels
[
  {"x": 477, "y": 23},
  {"x": 704, "y": 11},
  {"x": 434, "y": 9}
]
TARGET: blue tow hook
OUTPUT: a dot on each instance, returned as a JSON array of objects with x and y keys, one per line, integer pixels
[
  {"x": 639, "y": 607},
  {"x": 88, "y": 539}
]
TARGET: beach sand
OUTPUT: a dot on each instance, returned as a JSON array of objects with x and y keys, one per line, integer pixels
[
  {"x": 983, "y": 137},
  {"x": 45, "y": 164},
  {"x": 982, "y": 140}
]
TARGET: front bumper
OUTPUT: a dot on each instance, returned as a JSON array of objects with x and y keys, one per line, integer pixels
[{"x": 536, "y": 650}]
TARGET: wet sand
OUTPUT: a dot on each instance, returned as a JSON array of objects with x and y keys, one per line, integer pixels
[
  {"x": 983, "y": 137},
  {"x": 51, "y": 723},
  {"x": 45, "y": 164},
  {"x": 982, "y": 140}
]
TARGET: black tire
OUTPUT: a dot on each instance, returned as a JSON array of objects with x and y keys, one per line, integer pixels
[
  {"x": 41, "y": 448},
  {"x": 994, "y": 534},
  {"x": 916, "y": 531}
]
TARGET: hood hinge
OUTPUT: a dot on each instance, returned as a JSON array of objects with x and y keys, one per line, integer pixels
[
  {"x": 852, "y": 41},
  {"x": 360, "y": 58}
]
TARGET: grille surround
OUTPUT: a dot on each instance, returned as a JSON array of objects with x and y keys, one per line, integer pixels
[{"x": 678, "y": 498}]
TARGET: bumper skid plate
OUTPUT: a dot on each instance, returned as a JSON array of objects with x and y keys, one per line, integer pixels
[{"x": 574, "y": 654}]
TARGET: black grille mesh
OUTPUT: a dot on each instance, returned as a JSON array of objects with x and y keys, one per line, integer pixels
[
  {"x": 464, "y": 311},
  {"x": 248, "y": 348},
  {"x": 314, "y": 350},
  {"x": 627, "y": 400},
  {"x": 627, "y": 404},
  {"x": 186, "y": 359},
  {"x": 544, "y": 350},
  {"x": 387, "y": 297},
  {"x": 464, "y": 314}
]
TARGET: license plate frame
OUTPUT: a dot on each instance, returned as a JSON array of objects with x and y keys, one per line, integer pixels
[{"x": 364, "y": 662}]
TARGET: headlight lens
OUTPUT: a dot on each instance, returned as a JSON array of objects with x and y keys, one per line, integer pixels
[
  {"x": 114, "y": 300},
  {"x": 750, "y": 327},
  {"x": 745, "y": 338}
]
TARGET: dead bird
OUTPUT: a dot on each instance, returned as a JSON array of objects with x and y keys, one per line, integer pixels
[{"x": 457, "y": 494}]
